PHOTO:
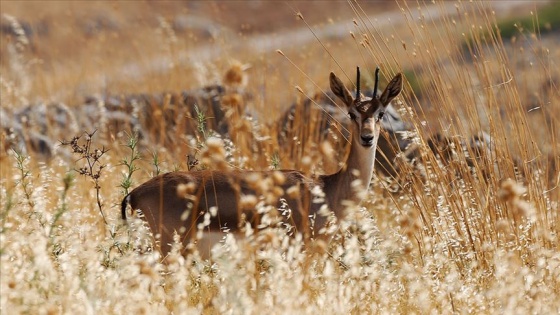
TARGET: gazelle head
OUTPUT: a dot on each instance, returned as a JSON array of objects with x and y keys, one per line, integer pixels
[{"x": 366, "y": 112}]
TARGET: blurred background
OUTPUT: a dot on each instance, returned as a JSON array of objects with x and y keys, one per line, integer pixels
[{"x": 81, "y": 48}]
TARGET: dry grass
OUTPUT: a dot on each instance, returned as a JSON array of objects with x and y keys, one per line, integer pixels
[{"x": 460, "y": 236}]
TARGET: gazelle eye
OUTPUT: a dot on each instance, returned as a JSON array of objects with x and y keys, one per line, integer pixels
[
  {"x": 380, "y": 116},
  {"x": 352, "y": 116}
]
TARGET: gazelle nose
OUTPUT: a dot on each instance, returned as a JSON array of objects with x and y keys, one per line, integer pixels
[{"x": 367, "y": 139}]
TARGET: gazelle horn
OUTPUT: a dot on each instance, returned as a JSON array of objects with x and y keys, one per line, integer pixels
[
  {"x": 376, "y": 82},
  {"x": 358, "y": 93}
]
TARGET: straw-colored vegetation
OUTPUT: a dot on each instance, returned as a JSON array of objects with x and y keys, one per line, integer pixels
[{"x": 454, "y": 235}]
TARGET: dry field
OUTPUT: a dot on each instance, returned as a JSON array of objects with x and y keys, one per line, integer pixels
[{"x": 449, "y": 234}]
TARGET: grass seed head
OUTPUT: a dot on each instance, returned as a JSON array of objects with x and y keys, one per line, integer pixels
[
  {"x": 248, "y": 202},
  {"x": 232, "y": 100},
  {"x": 278, "y": 177},
  {"x": 186, "y": 190},
  {"x": 235, "y": 75},
  {"x": 293, "y": 192}
]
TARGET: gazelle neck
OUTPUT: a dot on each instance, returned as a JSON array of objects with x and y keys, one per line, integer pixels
[{"x": 359, "y": 166}]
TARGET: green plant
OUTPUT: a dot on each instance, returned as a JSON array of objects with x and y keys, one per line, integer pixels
[
  {"x": 275, "y": 161},
  {"x": 129, "y": 163},
  {"x": 68, "y": 182},
  {"x": 201, "y": 124},
  {"x": 24, "y": 181},
  {"x": 156, "y": 163}
]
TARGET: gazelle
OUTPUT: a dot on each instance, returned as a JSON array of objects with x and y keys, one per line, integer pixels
[{"x": 167, "y": 208}]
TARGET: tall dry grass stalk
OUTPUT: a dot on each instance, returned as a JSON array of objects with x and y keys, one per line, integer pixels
[
  {"x": 462, "y": 234},
  {"x": 498, "y": 216}
]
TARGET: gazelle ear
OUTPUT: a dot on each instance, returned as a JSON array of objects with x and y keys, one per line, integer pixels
[
  {"x": 338, "y": 88},
  {"x": 393, "y": 89}
]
